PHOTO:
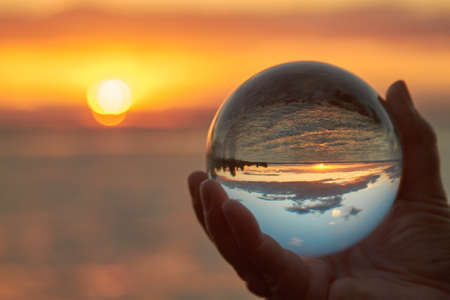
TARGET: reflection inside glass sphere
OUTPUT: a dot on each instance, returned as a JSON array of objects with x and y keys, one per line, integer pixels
[{"x": 310, "y": 150}]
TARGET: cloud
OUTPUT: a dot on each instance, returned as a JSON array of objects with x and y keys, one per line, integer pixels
[
  {"x": 310, "y": 197},
  {"x": 295, "y": 241},
  {"x": 320, "y": 205},
  {"x": 185, "y": 59},
  {"x": 385, "y": 22},
  {"x": 394, "y": 172},
  {"x": 354, "y": 211},
  {"x": 304, "y": 190}
]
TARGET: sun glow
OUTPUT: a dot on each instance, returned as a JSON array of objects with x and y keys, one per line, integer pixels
[
  {"x": 108, "y": 120},
  {"x": 339, "y": 172},
  {"x": 320, "y": 166},
  {"x": 109, "y": 97},
  {"x": 109, "y": 101},
  {"x": 336, "y": 212}
]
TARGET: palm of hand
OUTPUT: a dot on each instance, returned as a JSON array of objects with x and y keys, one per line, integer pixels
[{"x": 407, "y": 257}]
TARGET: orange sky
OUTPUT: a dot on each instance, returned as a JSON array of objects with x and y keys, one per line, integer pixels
[
  {"x": 259, "y": 6},
  {"x": 188, "y": 57}
]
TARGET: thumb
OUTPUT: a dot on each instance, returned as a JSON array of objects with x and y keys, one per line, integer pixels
[
  {"x": 421, "y": 167},
  {"x": 284, "y": 274}
]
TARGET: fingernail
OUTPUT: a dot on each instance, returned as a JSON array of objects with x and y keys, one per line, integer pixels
[
  {"x": 400, "y": 83},
  {"x": 194, "y": 181},
  {"x": 206, "y": 195},
  {"x": 405, "y": 93},
  {"x": 191, "y": 189}
]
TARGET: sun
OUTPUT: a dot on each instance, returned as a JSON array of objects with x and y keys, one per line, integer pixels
[{"x": 109, "y": 97}]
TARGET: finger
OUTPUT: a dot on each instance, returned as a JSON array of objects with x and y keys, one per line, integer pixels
[
  {"x": 212, "y": 197},
  {"x": 421, "y": 168},
  {"x": 194, "y": 181},
  {"x": 350, "y": 288},
  {"x": 283, "y": 271},
  {"x": 257, "y": 285}
]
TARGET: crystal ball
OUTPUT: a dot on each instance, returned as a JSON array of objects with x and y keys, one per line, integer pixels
[{"x": 310, "y": 150}]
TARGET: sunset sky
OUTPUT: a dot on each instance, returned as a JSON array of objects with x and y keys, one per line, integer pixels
[
  {"x": 191, "y": 54},
  {"x": 93, "y": 212}
]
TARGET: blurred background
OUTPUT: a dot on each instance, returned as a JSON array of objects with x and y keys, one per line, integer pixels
[{"x": 93, "y": 198}]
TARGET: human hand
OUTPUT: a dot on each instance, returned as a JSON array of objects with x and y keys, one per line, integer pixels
[{"x": 406, "y": 257}]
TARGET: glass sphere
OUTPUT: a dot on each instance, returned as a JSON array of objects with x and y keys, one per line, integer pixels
[{"x": 310, "y": 150}]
